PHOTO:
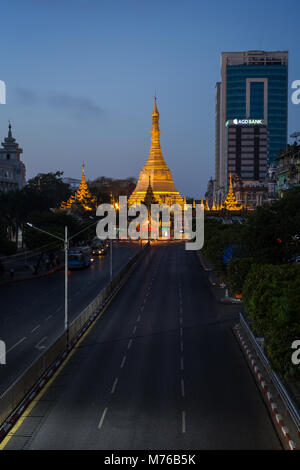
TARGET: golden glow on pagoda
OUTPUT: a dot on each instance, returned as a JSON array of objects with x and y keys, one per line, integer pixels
[
  {"x": 82, "y": 197},
  {"x": 230, "y": 202},
  {"x": 162, "y": 183}
]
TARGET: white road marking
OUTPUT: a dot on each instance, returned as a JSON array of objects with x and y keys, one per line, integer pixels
[
  {"x": 142, "y": 308},
  {"x": 138, "y": 318},
  {"x": 123, "y": 362},
  {"x": 129, "y": 344},
  {"x": 48, "y": 318},
  {"x": 180, "y": 319},
  {"x": 180, "y": 331},
  {"x": 19, "y": 342},
  {"x": 183, "y": 421},
  {"x": 58, "y": 309},
  {"x": 134, "y": 330},
  {"x": 102, "y": 418},
  {"x": 181, "y": 363},
  {"x": 38, "y": 345},
  {"x": 36, "y": 328},
  {"x": 182, "y": 387},
  {"x": 114, "y": 385},
  {"x": 181, "y": 346}
]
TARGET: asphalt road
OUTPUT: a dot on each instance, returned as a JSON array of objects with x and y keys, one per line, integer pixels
[
  {"x": 161, "y": 369},
  {"x": 32, "y": 311}
]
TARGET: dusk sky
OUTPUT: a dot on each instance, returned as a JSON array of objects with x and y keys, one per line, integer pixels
[{"x": 81, "y": 76}]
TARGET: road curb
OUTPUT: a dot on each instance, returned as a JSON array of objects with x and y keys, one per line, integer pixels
[
  {"x": 272, "y": 404},
  {"x": 37, "y": 276}
]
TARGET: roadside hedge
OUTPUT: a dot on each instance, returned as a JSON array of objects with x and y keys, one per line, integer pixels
[{"x": 271, "y": 295}]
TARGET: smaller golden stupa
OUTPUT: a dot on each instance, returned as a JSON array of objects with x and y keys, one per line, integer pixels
[
  {"x": 82, "y": 197},
  {"x": 230, "y": 202}
]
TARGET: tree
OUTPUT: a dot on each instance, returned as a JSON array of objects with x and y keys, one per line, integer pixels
[
  {"x": 272, "y": 299},
  {"x": 238, "y": 270},
  {"x": 104, "y": 187},
  {"x": 273, "y": 231}
]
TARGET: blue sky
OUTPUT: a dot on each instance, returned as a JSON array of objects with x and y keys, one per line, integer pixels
[{"x": 81, "y": 76}]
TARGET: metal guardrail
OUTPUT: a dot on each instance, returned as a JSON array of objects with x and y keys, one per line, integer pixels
[{"x": 273, "y": 376}]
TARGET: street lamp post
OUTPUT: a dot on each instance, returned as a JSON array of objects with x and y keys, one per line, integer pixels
[
  {"x": 66, "y": 244},
  {"x": 66, "y": 247},
  {"x": 111, "y": 260}
]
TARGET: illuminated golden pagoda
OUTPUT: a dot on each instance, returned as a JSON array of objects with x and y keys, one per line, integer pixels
[
  {"x": 162, "y": 184},
  {"x": 82, "y": 197},
  {"x": 230, "y": 202}
]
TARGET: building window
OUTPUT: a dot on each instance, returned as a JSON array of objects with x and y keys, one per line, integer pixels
[{"x": 7, "y": 156}]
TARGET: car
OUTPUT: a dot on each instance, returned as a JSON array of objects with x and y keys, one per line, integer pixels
[{"x": 99, "y": 248}]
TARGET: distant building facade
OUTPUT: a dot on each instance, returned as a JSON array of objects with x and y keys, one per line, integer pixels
[
  {"x": 288, "y": 169},
  {"x": 12, "y": 169},
  {"x": 72, "y": 182},
  {"x": 246, "y": 155},
  {"x": 254, "y": 85}
]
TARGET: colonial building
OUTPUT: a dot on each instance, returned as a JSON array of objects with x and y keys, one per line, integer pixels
[
  {"x": 12, "y": 169},
  {"x": 157, "y": 170},
  {"x": 288, "y": 169}
]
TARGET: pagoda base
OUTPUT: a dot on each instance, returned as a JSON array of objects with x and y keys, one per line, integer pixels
[{"x": 169, "y": 198}]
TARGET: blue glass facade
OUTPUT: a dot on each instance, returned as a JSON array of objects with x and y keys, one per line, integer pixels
[{"x": 277, "y": 76}]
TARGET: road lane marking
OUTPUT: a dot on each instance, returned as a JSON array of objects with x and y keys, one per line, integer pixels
[
  {"x": 48, "y": 318},
  {"x": 181, "y": 363},
  {"x": 38, "y": 345},
  {"x": 134, "y": 330},
  {"x": 36, "y": 328},
  {"x": 183, "y": 422},
  {"x": 181, "y": 346},
  {"x": 138, "y": 318},
  {"x": 123, "y": 362},
  {"x": 58, "y": 309},
  {"x": 180, "y": 319},
  {"x": 129, "y": 344},
  {"x": 142, "y": 308},
  {"x": 182, "y": 387},
  {"x": 180, "y": 331},
  {"x": 19, "y": 342},
  {"x": 30, "y": 407},
  {"x": 102, "y": 418},
  {"x": 114, "y": 385}
]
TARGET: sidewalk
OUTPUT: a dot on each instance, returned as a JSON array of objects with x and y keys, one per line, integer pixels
[{"x": 227, "y": 297}]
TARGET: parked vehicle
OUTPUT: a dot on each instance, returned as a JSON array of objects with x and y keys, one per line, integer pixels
[{"x": 79, "y": 257}]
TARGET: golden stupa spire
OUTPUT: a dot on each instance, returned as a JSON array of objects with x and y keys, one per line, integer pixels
[
  {"x": 230, "y": 202},
  {"x": 162, "y": 182},
  {"x": 82, "y": 196}
]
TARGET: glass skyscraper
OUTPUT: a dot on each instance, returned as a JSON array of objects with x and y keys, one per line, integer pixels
[{"x": 254, "y": 85}]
